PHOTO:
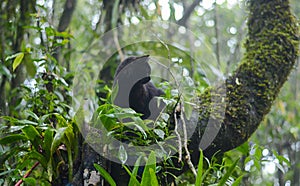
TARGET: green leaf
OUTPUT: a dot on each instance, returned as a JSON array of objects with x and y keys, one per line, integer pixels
[
  {"x": 144, "y": 12},
  {"x": 30, "y": 67},
  {"x": 188, "y": 108},
  {"x": 31, "y": 114},
  {"x": 18, "y": 60},
  {"x": 105, "y": 174},
  {"x": 12, "y": 152},
  {"x": 4, "y": 70},
  {"x": 12, "y": 138},
  {"x": 149, "y": 175},
  {"x": 33, "y": 135},
  {"x": 29, "y": 181},
  {"x": 237, "y": 181},
  {"x": 133, "y": 181},
  {"x": 11, "y": 56},
  {"x": 281, "y": 158},
  {"x": 58, "y": 138},
  {"x": 26, "y": 122},
  {"x": 228, "y": 173},
  {"x": 200, "y": 170},
  {"x": 39, "y": 157},
  {"x": 160, "y": 133},
  {"x": 48, "y": 139},
  {"x": 30, "y": 132},
  {"x": 153, "y": 177}
]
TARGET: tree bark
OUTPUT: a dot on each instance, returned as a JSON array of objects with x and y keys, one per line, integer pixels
[{"x": 271, "y": 53}]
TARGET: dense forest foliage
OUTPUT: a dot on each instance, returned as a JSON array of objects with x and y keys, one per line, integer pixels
[{"x": 228, "y": 69}]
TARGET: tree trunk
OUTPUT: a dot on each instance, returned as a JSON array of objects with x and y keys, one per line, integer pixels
[{"x": 271, "y": 53}]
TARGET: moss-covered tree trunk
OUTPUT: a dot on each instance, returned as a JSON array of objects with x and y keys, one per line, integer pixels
[{"x": 271, "y": 52}]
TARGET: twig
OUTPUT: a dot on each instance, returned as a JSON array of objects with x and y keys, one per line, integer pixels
[
  {"x": 178, "y": 137},
  {"x": 188, "y": 155},
  {"x": 187, "y": 13},
  {"x": 217, "y": 35},
  {"x": 27, "y": 174},
  {"x": 116, "y": 40}
]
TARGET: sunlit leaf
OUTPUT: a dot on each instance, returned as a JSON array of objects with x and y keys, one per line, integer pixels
[
  {"x": 160, "y": 133},
  {"x": 105, "y": 174},
  {"x": 18, "y": 60}
]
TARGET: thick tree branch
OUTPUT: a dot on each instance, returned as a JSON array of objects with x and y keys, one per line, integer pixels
[{"x": 271, "y": 53}]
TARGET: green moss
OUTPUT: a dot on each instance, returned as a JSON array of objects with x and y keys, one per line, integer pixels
[{"x": 271, "y": 52}]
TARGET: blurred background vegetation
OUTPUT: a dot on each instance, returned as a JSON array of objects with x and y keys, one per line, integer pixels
[{"x": 42, "y": 43}]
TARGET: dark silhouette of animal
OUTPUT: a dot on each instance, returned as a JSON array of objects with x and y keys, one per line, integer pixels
[{"x": 135, "y": 89}]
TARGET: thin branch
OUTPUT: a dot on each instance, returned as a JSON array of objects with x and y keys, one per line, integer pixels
[
  {"x": 178, "y": 137},
  {"x": 217, "y": 34},
  {"x": 66, "y": 16},
  {"x": 188, "y": 155},
  {"x": 187, "y": 13},
  {"x": 27, "y": 174}
]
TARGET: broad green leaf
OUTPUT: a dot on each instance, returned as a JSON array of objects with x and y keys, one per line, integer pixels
[
  {"x": 105, "y": 174},
  {"x": 31, "y": 133},
  {"x": 50, "y": 31},
  {"x": 48, "y": 139},
  {"x": 58, "y": 138},
  {"x": 12, "y": 138},
  {"x": 153, "y": 177},
  {"x": 44, "y": 117},
  {"x": 32, "y": 114},
  {"x": 160, "y": 133},
  {"x": 150, "y": 168},
  {"x": 39, "y": 157},
  {"x": 188, "y": 108},
  {"x": 18, "y": 60}
]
